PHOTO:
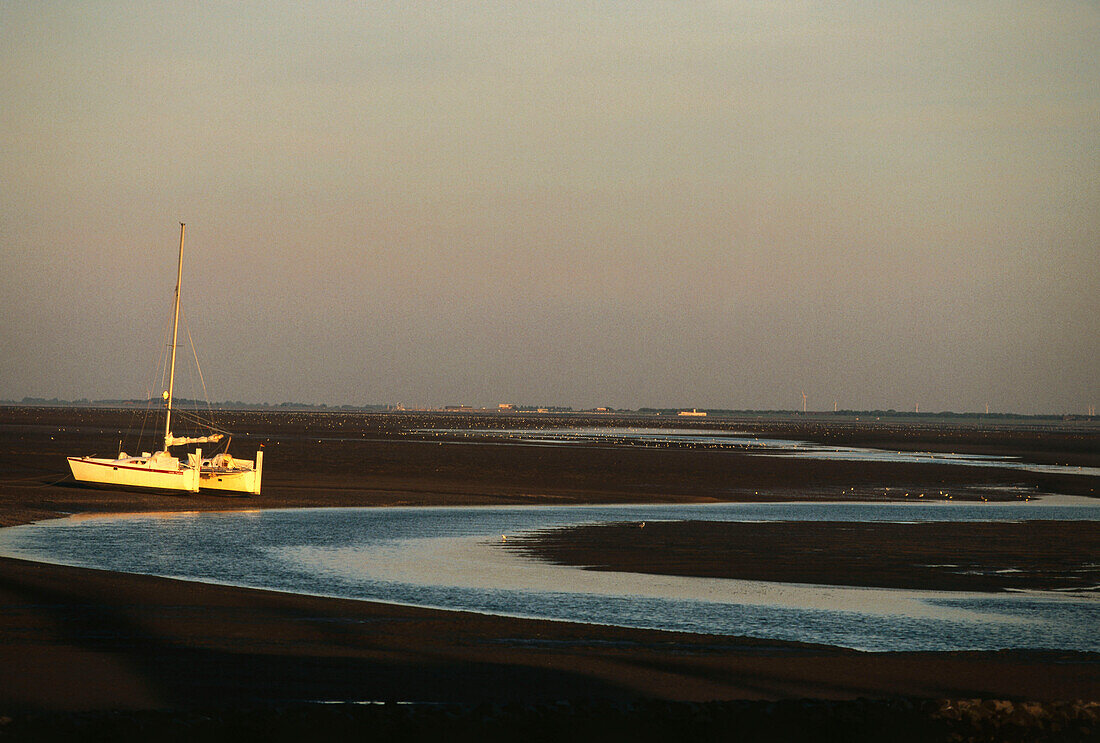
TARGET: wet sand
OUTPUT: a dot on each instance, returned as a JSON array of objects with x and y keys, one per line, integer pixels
[{"x": 80, "y": 639}]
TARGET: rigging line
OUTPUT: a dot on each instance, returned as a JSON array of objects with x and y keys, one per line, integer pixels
[
  {"x": 202, "y": 421},
  {"x": 159, "y": 382},
  {"x": 199, "y": 419},
  {"x": 8, "y": 480},
  {"x": 193, "y": 417},
  {"x": 208, "y": 421},
  {"x": 198, "y": 366},
  {"x": 66, "y": 476},
  {"x": 189, "y": 372}
]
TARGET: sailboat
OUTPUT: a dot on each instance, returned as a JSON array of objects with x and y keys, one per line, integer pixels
[{"x": 162, "y": 470}]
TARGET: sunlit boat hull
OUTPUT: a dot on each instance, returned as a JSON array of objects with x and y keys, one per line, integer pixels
[
  {"x": 232, "y": 475},
  {"x": 163, "y": 473}
]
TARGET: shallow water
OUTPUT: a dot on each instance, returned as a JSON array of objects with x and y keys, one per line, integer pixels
[{"x": 451, "y": 558}]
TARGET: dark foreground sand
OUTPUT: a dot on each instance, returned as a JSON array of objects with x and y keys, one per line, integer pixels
[
  {"x": 83, "y": 639},
  {"x": 75, "y": 639},
  {"x": 79, "y": 646}
]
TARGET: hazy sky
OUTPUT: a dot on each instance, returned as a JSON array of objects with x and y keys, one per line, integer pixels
[{"x": 713, "y": 204}]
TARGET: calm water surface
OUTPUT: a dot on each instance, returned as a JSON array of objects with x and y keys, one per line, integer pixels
[{"x": 452, "y": 558}]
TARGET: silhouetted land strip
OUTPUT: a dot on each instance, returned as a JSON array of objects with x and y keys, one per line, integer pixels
[{"x": 939, "y": 556}]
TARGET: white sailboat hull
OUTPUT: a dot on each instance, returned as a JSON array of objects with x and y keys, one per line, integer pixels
[
  {"x": 241, "y": 476},
  {"x": 133, "y": 472}
]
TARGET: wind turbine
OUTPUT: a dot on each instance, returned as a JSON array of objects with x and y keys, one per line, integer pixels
[{"x": 803, "y": 401}]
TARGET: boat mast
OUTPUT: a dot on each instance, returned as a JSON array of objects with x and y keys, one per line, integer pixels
[{"x": 175, "y": 330}]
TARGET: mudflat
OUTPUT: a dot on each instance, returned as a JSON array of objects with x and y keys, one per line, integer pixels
[
  {"x": 932, "y": 556},
  {"x": 319, "y": 459},
  {"x": 84, "y": 639}
]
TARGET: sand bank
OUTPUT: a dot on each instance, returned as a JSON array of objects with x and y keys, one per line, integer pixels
[{"x": 933, "y": 556}]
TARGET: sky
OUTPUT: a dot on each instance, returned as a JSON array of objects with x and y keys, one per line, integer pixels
[{"x": 646, "y": 204}]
